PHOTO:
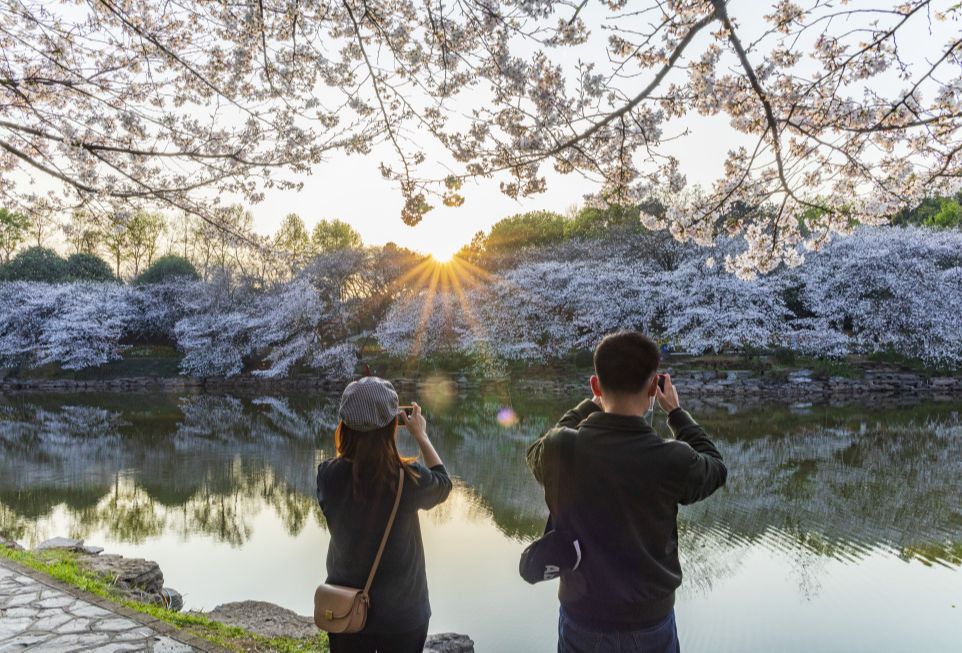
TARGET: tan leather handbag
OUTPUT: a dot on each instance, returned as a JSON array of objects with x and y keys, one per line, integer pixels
[{"x": 340, "y": 609}]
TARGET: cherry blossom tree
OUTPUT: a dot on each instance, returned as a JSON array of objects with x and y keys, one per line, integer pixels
[
  {"x": 703, "y": 307},
  {"x": 86, "y": 326},
  {"x": 545, "y": 310},
  {"x": 306, "y": 322},
  {"x": 880, "y": 289},
  {"x": 888, "y": 289},
  {"x": 876, "y": 290},
  {"x": 75, "y": 325},
  {"x": 835, "y": 120},
  {"x": 424, "y": 322},
  {"x": 158, "y": 307}
]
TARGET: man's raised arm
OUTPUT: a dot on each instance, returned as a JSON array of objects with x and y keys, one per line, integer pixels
[
  {"x": 706, "y": 469},
  {"x": 706, "y": 472}
]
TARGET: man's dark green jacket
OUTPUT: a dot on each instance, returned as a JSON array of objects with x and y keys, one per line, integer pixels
[{"x": 619, "y": 496}]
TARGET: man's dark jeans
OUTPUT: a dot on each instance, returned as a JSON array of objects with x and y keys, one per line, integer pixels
[{"x": 661, "y": 637}]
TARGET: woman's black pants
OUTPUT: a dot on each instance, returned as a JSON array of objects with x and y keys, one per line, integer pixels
[{"x": 410, "y": 642}]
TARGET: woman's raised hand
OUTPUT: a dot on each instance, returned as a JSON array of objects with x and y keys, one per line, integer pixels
[
  {"x": 416, "y": 424},
  {"x": 418, "y": 427}
]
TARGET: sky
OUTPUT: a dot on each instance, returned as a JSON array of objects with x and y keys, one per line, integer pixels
[{"x": 352, "y": 189}]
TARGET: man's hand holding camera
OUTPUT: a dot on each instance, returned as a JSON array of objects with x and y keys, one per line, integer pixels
[{"x": 666, "y": 393}]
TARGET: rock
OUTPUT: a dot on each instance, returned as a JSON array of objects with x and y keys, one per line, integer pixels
[
  {"x": 126, "y": 573},
  {"x": 9, "y": 544},
  {"x": 449, "y": 643},
  {"x": 167, "y": 598},
  {"x": 64, "y": 543},
  {"x": 172, "y": 599},
  {"x": 92, "y": 550},
  {"x": 264, "y": 619}
]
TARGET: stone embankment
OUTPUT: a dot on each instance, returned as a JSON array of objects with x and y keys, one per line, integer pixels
[
  {"x": 794, "y": 385},
  {"x": 797, "y": 385},
  {"x": 173, "y": 384},
  {"x": 38, "y": 612}
]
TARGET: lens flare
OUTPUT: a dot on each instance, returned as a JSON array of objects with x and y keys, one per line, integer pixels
[
  {"x": 437, "y": 393},
  {"x": 507, "y": 417}
]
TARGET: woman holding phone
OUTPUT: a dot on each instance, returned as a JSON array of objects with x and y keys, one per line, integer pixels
[{"x": 357, "y": 490}]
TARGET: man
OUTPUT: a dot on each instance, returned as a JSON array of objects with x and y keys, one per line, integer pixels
[{"x": 615, "y": 485}]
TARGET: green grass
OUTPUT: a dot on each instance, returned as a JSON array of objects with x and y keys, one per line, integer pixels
[
  {"x": 827, "y": 368},
  {"x": 896, "y": 359},
  {"x": 64, "y": 567}
]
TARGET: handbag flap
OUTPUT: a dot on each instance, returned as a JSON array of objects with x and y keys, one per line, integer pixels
[{"x": 333, "y": 602}]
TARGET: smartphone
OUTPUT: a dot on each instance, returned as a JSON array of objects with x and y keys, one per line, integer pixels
[
  {"x": 408, "y": 410},
  {"x": 661, "y": 382}
]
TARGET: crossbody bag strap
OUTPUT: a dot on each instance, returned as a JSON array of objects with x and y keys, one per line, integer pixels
[{"x": 387, "y": 532}]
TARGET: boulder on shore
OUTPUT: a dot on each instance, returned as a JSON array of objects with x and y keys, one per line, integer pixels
[
  {"x": 10, "y": 544},
  {"x": 263, "y": 618},
  {"x": 449, "y": 643},
  {"x": 62, "y": 543},
  {"x": 126, "y": 573}
]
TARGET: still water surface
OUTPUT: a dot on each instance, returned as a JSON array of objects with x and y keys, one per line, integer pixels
[{"x": 840, "y": 528}]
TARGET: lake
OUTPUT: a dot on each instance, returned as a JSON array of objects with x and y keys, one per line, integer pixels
[{"x": 840, "y": 528}]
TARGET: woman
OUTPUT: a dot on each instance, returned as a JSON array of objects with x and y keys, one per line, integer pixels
[{"x": 357, "y": 490}]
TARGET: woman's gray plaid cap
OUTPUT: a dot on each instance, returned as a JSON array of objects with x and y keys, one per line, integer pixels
[{"x": 368, "y": 403}]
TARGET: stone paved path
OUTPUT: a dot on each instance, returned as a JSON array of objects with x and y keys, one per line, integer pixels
[{"x": 39, "y": 614}]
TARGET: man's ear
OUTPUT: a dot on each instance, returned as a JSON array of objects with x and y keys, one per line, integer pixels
[
  {"x": 653, "y": 386},
  {"x": 595, "y": 385}
]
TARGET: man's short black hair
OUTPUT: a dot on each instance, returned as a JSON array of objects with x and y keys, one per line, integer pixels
[{"x": 625, "y": 361}]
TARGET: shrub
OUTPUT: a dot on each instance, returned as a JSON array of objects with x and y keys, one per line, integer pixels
[
  {"x": 36, "y": 264},
  {"x": 167, "y": 268},
  {"x": 88, "y": 267}
]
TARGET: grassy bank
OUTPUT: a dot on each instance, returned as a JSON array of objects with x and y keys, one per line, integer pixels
[{"x": 63, "y": 566}]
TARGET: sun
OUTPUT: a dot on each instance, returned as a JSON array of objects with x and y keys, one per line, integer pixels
[
  {"x": 443, "y": 286},
  {"x": 443, "y": 252}
]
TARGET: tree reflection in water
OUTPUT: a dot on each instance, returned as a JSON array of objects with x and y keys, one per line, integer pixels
[{"x": 819, "y": 482}]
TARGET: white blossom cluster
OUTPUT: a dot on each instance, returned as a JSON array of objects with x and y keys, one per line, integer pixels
[
  {"x": 880, "y": 289},
  {"x": 84, "y": 325},
  {"x": 75, "y": 325}
]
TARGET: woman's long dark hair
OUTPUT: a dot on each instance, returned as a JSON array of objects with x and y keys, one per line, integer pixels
[{"x": 375, "y": 458}]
